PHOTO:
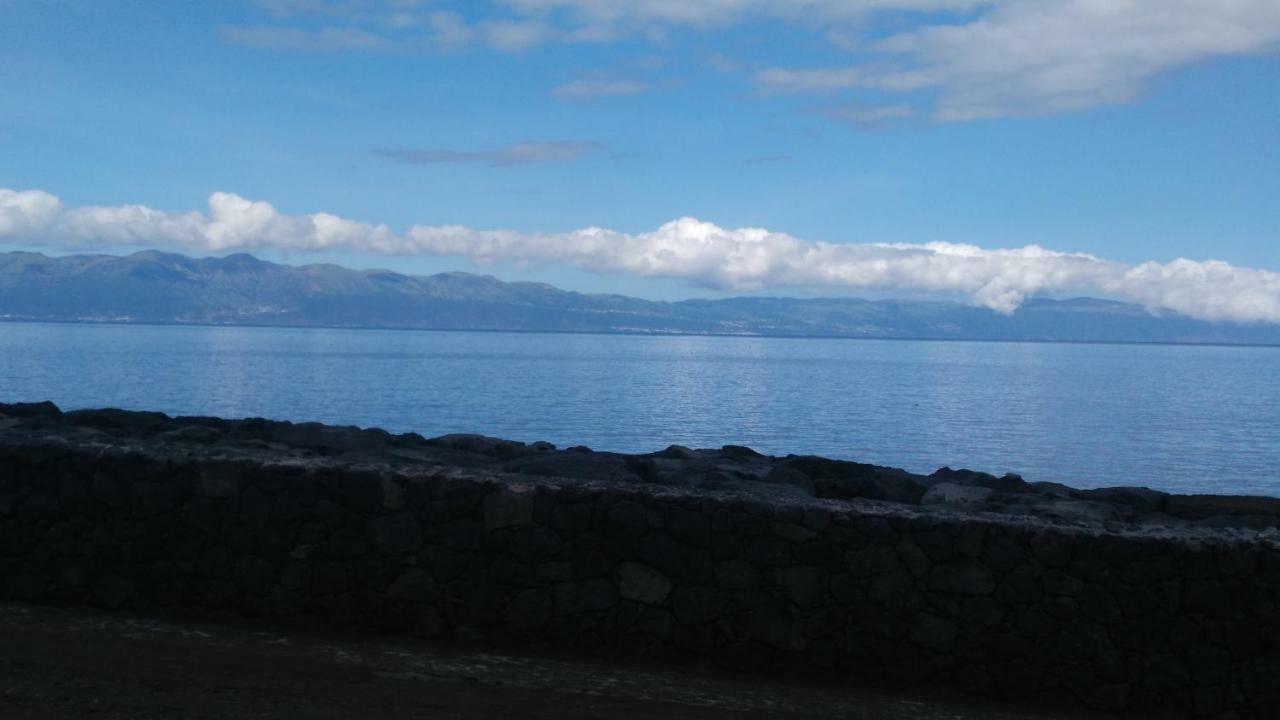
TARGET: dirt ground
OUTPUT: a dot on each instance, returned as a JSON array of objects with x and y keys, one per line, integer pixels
[{"x": 72, "y": 662}]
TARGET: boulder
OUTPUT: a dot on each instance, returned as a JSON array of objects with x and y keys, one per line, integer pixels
[
  {"x": 965, "y": 576},
  {"x": 508, "y": 508},
  {"x": 588, "y": 596},
  {"x": 412, "y": 586},
  {"x": 934, "y": 633},
  {"x": 642, "y": 583},
  {"x": 958, "y": 496}
]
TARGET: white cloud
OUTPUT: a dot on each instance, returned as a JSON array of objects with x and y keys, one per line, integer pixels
[
  {"x": 514, "y": 35},
  {"x": 515, "y": 25},
  {"x": 584, "y": 89},
  {"x": 743, "y": 259},
  {"x": 723, "y": 63},
  {"x": 605, "y": 18},
  {"x": 870, "y": 115},
  {"x": 521, "y": 153},
  {"x": 270, "y": 37},
  {"x": 1046, "y": 56},
  {"x": 970, "y": 59},
  {"x": 26, "y": 211},
  {"x": 369, "y": 10},
  {"x": 1213, "y": 289},
  {"x": 449, "y": 30},
  {"x": 810, "y": 79}
]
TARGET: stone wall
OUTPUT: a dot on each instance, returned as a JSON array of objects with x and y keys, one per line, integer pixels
[{"x": 1140, "y": 619}]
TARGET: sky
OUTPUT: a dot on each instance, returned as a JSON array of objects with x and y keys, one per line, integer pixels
[{"x": 988, "y": 151}]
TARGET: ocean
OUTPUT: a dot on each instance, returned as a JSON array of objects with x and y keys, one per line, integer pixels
[{"x": 1177, "y": 418}]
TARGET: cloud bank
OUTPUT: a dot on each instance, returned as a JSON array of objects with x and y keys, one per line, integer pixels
[
  {"x": 955, "y": 60},
  {"x": 743, "y": 259},
  {"x": 1037, "y": 57}
]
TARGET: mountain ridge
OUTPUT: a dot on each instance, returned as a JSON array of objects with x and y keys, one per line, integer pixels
[{"x": 152, "y": 286}]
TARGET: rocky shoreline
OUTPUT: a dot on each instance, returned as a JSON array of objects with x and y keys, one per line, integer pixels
[
  {"x": 1117, "y": 598},
  {"x": 732, "y": 469}
]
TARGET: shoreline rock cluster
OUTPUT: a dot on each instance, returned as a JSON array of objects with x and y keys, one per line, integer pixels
[
  {"x": 1122, "y": 598},
  {"x": 730, "y": 468}
]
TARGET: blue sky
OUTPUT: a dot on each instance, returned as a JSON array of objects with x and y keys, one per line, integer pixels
[{"x": 1143, "y": 132}]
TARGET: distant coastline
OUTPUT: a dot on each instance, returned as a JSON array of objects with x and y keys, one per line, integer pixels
[
  {"x": 157, "y": 288},
  {"x": 641, "y": 333}
]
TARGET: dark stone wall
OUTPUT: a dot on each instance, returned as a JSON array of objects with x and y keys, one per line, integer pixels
[{"x": 1184, "y": 621}]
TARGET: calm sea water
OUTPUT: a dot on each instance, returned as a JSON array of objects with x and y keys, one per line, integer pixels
[{"x": 1187, "y": 419}]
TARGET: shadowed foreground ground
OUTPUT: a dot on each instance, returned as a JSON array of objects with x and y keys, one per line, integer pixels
[{"x": 61, "y": 662}]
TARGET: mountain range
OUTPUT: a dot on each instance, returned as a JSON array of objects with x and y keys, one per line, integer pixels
[{"x": 157, "y": 287}]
